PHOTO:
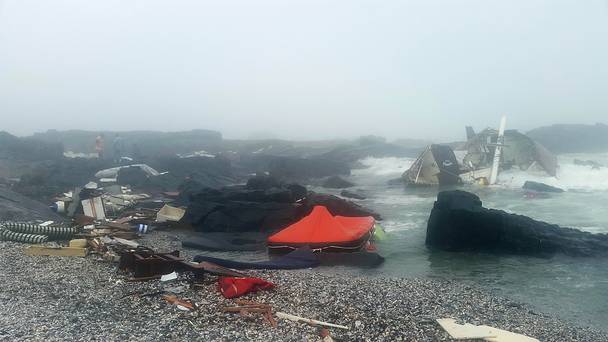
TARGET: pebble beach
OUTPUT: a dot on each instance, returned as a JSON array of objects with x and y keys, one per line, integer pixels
[{"x": 71, "y": 298}]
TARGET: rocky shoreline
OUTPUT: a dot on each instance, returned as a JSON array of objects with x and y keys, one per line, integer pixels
[{"x": 57, "y": 298}]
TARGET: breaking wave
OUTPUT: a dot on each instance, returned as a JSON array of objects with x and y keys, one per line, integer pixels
[
  {"x": 569, "y": 175},
  {"x": 390, "y": 166}
]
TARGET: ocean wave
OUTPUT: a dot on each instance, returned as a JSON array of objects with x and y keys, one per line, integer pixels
[
  {"x": 389, "y": 166},
  {"x": 569, "y": 175}
]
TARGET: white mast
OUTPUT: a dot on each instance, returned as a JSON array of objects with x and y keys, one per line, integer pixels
[{"x": 499, "y": 143}]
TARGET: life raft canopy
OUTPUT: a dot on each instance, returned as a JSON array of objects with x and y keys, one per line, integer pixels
[{"x": 321, "y": 230}]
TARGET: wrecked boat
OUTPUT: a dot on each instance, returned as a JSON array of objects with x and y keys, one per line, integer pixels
[
  {"x": 518, "y": 150},
  {"x": 437, "y": 165},
  {"x": 485, "y": 153}
]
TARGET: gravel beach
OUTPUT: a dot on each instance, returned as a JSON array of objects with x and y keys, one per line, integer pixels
[{"x": 63, "y": 298}]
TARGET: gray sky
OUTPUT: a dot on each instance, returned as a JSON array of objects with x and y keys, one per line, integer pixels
[{"x": 302, "y": 69}]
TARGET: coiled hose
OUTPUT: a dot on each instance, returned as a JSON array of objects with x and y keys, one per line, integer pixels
[
  {"x": 7, "y": 235},
  {"x": 52, "y": 232}
]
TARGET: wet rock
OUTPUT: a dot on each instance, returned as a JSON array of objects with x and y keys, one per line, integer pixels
[
  {"x": 293, "y": 169},
  {"x": 261, "y": 209},
  {"x": 337, "y": 182},
  {"x": 395, "y": 181},
  {"x": 541, "y": 187},
  {"x": 263, "y": 182},
  {"x": 134, "y": 176},
  {"x": 16, "y": 207},
  {"x": 338, "y": 206},
  {"x": 566, "y": 138},
  {"x": 459, "y": 222},
  {"x": 594, "y": 165},
  {"x": 352, "y": 194}
]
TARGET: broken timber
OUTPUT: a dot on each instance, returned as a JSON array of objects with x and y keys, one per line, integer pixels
[{"x": 56, "y": 251}]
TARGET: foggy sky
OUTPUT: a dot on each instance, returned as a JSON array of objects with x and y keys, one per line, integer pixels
[{"x": 302, "y": 69}]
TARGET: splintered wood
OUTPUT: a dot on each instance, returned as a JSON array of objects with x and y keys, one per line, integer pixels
[
  {"x": 246, "y": 307},
  {"x": 180, "y": 303}
]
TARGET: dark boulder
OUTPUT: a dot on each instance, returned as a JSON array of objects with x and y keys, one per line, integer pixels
[
  {"x": 572, "y": 138},
  {"x": 46, "y": 179},
  {"x": 395, "y": 181},
  {"x": 338, "y": 206},
  {"x": 16, "y": 207},
  {"x": 28, "y": 149},
  {"x": 594, "y": 165},
  {"x": 215, "y": 172},
  {"x": 263, "y": 182},
  {"x": 353, "y": 152},
  {"x": 133, "y": 176},
  {"x": 337, "y": 182},
  {"x": 459, "y": 222},
  {"x": 540, "y": 187},
  {"x": 292, "y": 169},
  {"x": 352, "y": 194},
  {"x": 242, "y": 209}
]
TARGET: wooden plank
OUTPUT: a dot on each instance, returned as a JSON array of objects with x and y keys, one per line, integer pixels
[
  {"x": 507, "y": 336},
  {"x": 56, "y": 251},
  {"x": 79, "y": 243},
  {"x": 308, "y": 320},
  {"x": 464, "y": 331}
]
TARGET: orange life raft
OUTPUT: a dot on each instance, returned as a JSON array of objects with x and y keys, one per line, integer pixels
[{"x": 322, "y": 231}]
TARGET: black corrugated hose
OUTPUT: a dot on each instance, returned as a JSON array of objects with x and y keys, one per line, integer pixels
[{"x": 27, "y": 232}]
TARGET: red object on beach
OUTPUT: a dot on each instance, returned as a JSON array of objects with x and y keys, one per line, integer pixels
[
  {"x": 322, "y": 231},
  {"x": 232, "y": 287}
]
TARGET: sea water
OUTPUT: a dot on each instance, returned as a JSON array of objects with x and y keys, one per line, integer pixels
[{"x": 573, "y": 288}]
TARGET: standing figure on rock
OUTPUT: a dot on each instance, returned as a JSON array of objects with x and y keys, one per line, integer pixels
[
  {"x": 118, "y": 146},
  {"x": 99, "y": 145}
]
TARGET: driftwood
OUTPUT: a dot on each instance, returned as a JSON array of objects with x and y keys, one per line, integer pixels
[
  {"x": 246, "y": 307},
  {"x": 309, "y": 321}
]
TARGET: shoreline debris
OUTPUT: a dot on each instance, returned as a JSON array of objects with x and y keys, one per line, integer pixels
[
  {"x": 55, "y": 251},
  {"x": 313, "y": 322},
  {"x": 469, "y": 331},
  {"x": 232, "y": 287},
  {"x": 245, "y": 307}
]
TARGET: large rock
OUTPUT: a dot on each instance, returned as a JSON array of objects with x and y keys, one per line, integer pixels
[
  {"x": 28, "y": 149},
  {"x": 337, "y": 182},
  {"x": 255, "y": 208},
  {"x": 357, "y": 194},
  {"x": 352, "y": 153},
  {"x": 137, "y": 143},
  {"x": 291, "y": 169},
  {"x": 338, "y": 206},
  {"x": 459, "y": 222},
  {"x": 16, "y": 207},
  {"x": 46, "y": 179},
  {"x": 594, "y": 165},
  {"x": 541, "y": 187},
  {"x": 572, "y": 138}
]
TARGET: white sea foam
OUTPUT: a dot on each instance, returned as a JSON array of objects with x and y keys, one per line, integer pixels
[
  {"x": 569, "y": 175},
  {"x": 400, "y": 226},
  {"x": 390, "y": 166}
]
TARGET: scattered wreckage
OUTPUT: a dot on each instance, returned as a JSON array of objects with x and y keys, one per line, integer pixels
[
  {"x": 105, "y": 219},
  {"x": 485, "y": 154}
]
